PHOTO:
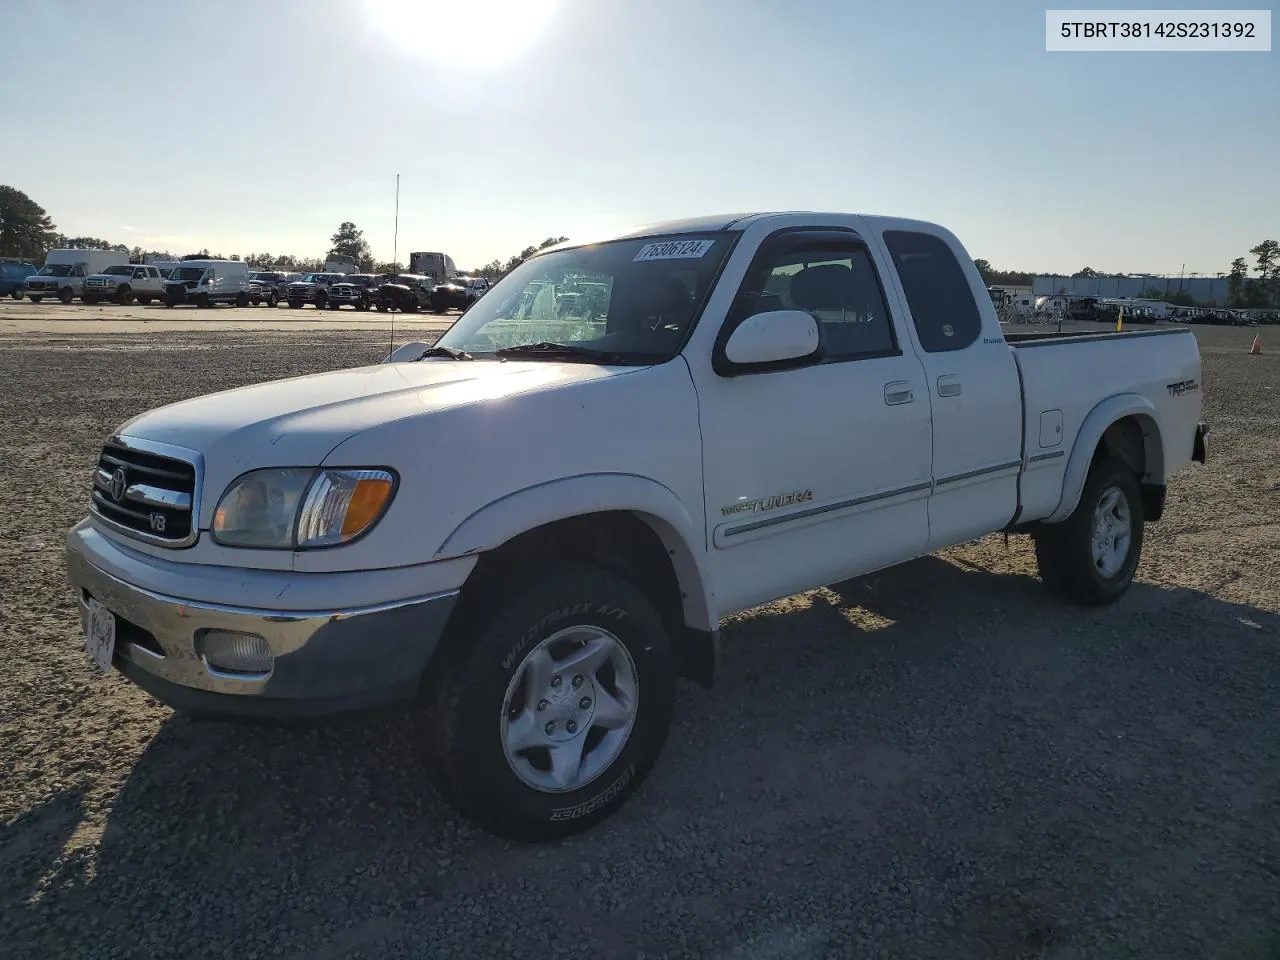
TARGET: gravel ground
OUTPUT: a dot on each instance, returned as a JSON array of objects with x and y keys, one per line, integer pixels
[{"x": 938, "y": 761}]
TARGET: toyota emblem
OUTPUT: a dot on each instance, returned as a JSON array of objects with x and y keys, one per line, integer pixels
[{"x": 118, "y": 482}]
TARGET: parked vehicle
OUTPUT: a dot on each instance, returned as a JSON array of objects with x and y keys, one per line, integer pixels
[
  {"x": 267, "y": 286},
  {"x": 459, "y": 293},
  {"x": 339, "y": 263},
  {"x": 438, "y": 266},
  {"x": 207, "y": 283},
  {"x": 406, "y": 292},
  {"x": 312, "y": 288},
  {"x": 124, "y": 283},
  {"x": 359, "y": 290},
  {"x": 13, "y": 277},
  {"x": 529, "y": 530},
  {"x": 64, "y": 272}
]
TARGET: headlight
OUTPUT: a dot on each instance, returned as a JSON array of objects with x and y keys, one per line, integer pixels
[{"x": 299, "y": 508}]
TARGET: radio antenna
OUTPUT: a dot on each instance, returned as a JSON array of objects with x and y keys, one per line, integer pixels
[{"x": 395, "y": 250}]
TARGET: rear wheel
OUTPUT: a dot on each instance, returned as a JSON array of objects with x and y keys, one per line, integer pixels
[
  {"x": 16, "y": 293},
  {"x": 66, "y": 295},
  {"x": 242, "y": 299},
  {"x": 272, "y": 299},
  {"x": 547, "y": 713},
  {"x": 203, "y": 301},
  {"x": 90, "y": 298},
  {"x": 35, "y": 298},
  {"x": 144, "y": 299},
  {"x": 1091, "y": 557},
  {"x": 295, "y": 304}
]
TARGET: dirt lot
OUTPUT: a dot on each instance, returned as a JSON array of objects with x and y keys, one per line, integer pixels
[{"x": 939, "y": 761}]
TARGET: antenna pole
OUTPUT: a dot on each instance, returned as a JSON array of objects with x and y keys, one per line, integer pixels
[{"x": 395, "y": 250}]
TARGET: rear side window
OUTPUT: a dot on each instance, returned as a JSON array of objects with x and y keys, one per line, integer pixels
[{"x": 942, "y": 306}]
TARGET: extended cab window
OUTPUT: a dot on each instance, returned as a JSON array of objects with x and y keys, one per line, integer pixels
[
  {"x": 832, "y": 278},
  {"x": 942, "y": 305}
]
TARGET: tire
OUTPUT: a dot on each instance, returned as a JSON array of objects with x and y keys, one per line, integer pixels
[
  {"x": 36, "y": 299},
  {"x": 242, "y": 299},
  {"x": 295, "y": 304},
  {"x": 203, "y": 301},
  {"x": 16, "y": 294},
  {"x": 124, "y": 296},
  {"x": 90, "y": 299},
  {"x": 145, "y": 300},
  {"x": 66, "y": 295},
  {"x": 462, "y": 707},
  {"x": 321, "y": 301},
  {"x": 1069, "y": 566},
  {"x": 272, "y": 300}
]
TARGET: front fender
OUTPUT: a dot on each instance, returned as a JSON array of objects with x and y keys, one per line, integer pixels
[
  {"x": 1091, "y": 430},
  {"x": 544, "y": 503}
]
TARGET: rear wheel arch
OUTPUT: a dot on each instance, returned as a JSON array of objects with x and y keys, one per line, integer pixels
[{"x": 1125, "y": 425}]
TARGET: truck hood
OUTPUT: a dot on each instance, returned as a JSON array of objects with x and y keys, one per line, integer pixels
[{"x": 297, "y": 422}]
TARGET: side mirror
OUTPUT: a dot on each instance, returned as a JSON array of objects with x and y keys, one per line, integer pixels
[{"x": 774, "y": 339}]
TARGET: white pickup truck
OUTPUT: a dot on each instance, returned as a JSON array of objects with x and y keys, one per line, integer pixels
[
  {"x": 124, "y": 283},
  {"x": 529, "y": 530}
]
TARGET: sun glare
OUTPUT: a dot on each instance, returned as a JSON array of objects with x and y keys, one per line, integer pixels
[{"x": 476, "y": 33}]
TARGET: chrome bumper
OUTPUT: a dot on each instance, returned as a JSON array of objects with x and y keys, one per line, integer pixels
[{"x": 323, "y": 662}]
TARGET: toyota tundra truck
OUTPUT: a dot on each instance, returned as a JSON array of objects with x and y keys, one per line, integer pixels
[{"x": 528, "y": 530}]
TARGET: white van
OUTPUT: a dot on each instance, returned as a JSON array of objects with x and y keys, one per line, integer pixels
[
  {"x": 64, "y": 270},
  {"x": 206, "y": 282}
]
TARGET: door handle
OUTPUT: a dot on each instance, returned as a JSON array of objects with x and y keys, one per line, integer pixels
[
  {"x": 899, "y": 391},
  {"x": 949, "y": 386}
]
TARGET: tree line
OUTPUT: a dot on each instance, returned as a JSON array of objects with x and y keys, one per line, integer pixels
[{"x": 27, "y": 231}]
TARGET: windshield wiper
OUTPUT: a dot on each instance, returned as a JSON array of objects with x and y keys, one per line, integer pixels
[
  {"x": 451, "y": 352},
  {"x": 566, "y": 351}
]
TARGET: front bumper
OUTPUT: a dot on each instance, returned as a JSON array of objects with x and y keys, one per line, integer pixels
[{"x": 323, "y": 661}]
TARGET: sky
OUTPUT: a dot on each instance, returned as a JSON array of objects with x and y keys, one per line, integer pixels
[{"x": 259, "y": 125}]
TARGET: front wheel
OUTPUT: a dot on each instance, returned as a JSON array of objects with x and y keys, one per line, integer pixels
[
  {"x": 545, "y": 715},
  {"x": 242, "y": 299},
  {"x": 1090, "y": 558},
  {"x": 144, "y": 300},
  {"x": 66, "y": 295}
]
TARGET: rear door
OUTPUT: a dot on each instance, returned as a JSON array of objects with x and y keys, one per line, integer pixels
[{"x": 975, "y": 393}]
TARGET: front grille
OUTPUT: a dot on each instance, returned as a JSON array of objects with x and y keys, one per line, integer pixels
[{"x": 146, "y": 494}]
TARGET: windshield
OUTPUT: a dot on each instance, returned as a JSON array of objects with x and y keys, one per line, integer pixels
[
  {"x": 117, "y": 271},
  {"x": 56, "y": 270},
  {"x": 634, "y": 299},
  {"x": 187, "y": 273}
]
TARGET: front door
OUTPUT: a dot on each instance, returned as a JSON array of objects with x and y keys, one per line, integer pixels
[
  {"x": 817, "y": 473},
  {"x": 976, "y": 396}
]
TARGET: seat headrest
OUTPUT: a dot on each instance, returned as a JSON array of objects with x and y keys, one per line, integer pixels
[{"x": 826, "y": 287}]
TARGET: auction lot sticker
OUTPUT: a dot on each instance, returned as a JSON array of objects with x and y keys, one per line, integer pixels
[{"x": 674, "y": 250}]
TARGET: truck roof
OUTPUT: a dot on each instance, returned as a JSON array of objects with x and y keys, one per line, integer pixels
[{"x": 741, "y": 221}]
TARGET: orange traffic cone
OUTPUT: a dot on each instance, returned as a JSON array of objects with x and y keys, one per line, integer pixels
[{"x": 1257, "y": 346}]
